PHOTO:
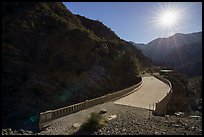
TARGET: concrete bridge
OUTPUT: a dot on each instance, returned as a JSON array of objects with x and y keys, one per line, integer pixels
[{"x": 152, "y": 92}]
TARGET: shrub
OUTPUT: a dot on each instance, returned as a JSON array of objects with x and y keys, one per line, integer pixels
[{"x": 95, "y": 122}]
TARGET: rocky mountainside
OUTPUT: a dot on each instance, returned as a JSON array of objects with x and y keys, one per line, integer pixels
[
  {"x": 102, "y": 31},
  {"x": 99, "y": 29},
  {"x": 186, "y": 59},
  {"x": 195, "y": 93},
  {"x": 138, "y": 45},
  {"x": 53, "y": 58},
  {"x": 183, "y": 52}
]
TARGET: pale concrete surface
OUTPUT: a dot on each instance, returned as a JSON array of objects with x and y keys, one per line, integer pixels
[{"x": 152, "y": 91}]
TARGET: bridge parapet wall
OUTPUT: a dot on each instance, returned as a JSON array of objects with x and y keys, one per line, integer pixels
[
  {"x": 161, "y": 106},
  {"x": 47, "y": 116}
]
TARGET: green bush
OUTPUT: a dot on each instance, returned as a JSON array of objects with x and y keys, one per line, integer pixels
[{"x": 95, "y": 122}]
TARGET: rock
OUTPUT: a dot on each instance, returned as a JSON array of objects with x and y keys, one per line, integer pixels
[
  {"x": 163, "y": 133},
  {"x": 185, "y": 133},
  {"x": 193, "y": 128},
  {"x": 4, "y": 132},
  {"x": 21, "y": 131},
  {"x": 179, "y": 113},
  {"x": 100, "y": 131},
  {"x": 175, "y": 125},
  {"x": 194, "y": 116},
  {"x": 167, "y": 116},
  {"x": 112, "y": 117},
  {"x": 103, "y": 111},
  {"x": 185, "y": 124},
  {"x": 76, "y": 125},
  {"x": 186, "y": 128},
  {"x": 9, "y": 130},
  {"x": 156, "y": 133}
]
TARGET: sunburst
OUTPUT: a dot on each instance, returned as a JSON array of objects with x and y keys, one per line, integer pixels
[{"x": 167, "y": 18}]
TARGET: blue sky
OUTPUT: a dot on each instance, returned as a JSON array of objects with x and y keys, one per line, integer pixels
[{"x": 139, "y": 21}]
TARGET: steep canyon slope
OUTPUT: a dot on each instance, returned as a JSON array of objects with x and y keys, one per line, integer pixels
[{"x": 53, "y": 58}]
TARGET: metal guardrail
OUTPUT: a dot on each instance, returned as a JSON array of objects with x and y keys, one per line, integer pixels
[{"x": 47, "y": 116}]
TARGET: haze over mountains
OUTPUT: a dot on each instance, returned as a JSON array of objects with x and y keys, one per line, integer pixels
[
  {"x": 183, "y": 52},
  {"x": 52, "y": 58}
]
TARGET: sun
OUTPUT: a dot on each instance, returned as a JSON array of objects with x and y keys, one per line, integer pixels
[{"x": 168, "y": 18}]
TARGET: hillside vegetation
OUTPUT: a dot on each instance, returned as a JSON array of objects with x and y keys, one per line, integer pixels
[{"x": 52, "y": 58}]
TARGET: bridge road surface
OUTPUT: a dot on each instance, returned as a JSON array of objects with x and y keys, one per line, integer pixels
[{"x": 152, "y": 91}]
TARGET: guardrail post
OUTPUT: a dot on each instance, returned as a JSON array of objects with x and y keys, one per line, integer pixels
[
  {"x": 108, "y": 97},
  {"x": 86, "y": 103}
]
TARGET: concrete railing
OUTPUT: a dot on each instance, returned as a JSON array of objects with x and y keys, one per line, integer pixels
[
  {"x": 163, "y": 80},
  {"x": 161, "y": 106},
  {"x": 47, "y": 116}
]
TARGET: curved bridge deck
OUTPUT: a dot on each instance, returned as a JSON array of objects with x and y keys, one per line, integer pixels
[{"x": 152, "y": 91}]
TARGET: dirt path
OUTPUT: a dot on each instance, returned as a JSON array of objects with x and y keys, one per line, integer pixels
[{"x": 152, "y": 91}]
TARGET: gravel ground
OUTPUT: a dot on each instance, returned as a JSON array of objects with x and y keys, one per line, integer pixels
[
  {"x": 136, "y": 122},
  {"x": 129, "y": 121}
]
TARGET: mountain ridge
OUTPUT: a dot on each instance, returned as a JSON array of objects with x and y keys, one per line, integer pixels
[{"x": 175, "y": 50}]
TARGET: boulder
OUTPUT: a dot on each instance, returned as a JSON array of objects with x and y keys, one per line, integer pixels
[
  {"x": 76, "y": 125},
  {"x": 194, "y": 117},
  {"x": 112, "y": 117},
  {"x": 179, "y": 113},
  {"x": 103, "y": 111}
]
